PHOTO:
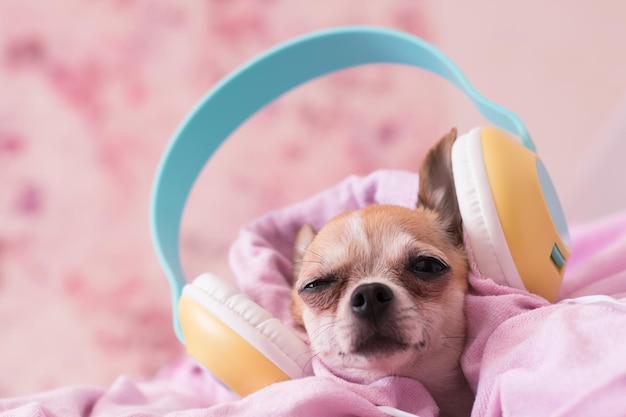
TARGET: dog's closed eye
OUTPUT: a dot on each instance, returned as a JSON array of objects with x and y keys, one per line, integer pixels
[
  {"x": 426, "y": 267},
  {"x": 320, "y": 283}
]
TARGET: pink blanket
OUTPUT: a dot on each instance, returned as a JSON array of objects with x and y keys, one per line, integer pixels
[{"x": 524, "y": 357}]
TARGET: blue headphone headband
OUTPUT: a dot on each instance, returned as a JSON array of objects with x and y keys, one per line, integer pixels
[{"x": 259, "y": 82}]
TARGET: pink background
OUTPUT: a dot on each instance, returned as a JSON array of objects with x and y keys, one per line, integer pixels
[{"x": 91, "y": 91}]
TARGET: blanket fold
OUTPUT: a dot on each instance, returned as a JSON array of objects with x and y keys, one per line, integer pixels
[{"x": 524, "y": 356}]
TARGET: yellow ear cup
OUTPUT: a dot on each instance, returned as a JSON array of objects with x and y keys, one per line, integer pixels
[
  {"x": 520, "y": 200},
  {"x": 236, "y": 339},
  {"x": 510, "y": 212},
  {"x": 225, "y": 353}
]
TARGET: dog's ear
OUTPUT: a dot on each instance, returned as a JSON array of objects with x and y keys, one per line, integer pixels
[
  {"x": 436, "y": 191},
  {"x": 304, "y": 237}
]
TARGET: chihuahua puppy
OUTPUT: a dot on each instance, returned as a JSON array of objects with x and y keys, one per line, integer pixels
[{"x": 380, "y": 291}]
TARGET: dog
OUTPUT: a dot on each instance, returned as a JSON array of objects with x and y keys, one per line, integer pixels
[{"x": 380, "y": 291}]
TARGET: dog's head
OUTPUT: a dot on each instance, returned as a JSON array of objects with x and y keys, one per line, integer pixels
[{"x": 380, "y": 290}]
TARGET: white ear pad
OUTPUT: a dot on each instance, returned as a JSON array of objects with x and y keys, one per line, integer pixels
[
  {"x": 253, "y": 323},
  {"x": 479, "y": 214}
]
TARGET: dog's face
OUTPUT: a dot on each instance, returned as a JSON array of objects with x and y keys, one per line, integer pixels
[{"x": 380, "y": 290}]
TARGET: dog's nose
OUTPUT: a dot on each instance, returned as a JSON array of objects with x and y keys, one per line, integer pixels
[{"x": 371, "y": 300}]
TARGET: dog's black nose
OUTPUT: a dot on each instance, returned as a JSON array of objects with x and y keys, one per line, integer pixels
[{"x": 371, "y": 300}]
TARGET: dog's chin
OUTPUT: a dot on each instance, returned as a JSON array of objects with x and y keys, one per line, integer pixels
[
  {"x": 366, "y": 351},
  {"x": 378, "y": 345},
  {"x": 379, "y": 339},
  {"x": 374, "y": 357},
  {"x": 374, "y": 365}
]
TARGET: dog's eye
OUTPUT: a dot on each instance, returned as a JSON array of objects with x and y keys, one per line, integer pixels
[
  {"x": 320, "y": 283},
  {"x": 426, "y": 266}
]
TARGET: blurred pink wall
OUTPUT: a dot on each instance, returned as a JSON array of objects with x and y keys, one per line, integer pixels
[
  {"x": 91, "y": 91},
  {"x": 560, "y": 66}
]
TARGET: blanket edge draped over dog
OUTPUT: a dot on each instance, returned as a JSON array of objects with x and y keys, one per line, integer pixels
[{"x": 523, "y": 356}]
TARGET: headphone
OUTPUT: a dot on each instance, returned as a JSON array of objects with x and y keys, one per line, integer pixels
[{"x": 509, "y": 207}]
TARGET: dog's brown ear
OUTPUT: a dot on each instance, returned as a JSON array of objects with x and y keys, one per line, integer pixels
[
  {"x": 303, "y": 240},
  {"x": 437, "y": 192}
]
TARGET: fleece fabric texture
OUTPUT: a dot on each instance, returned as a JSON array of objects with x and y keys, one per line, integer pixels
[{"x": 523, "y": 357}]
